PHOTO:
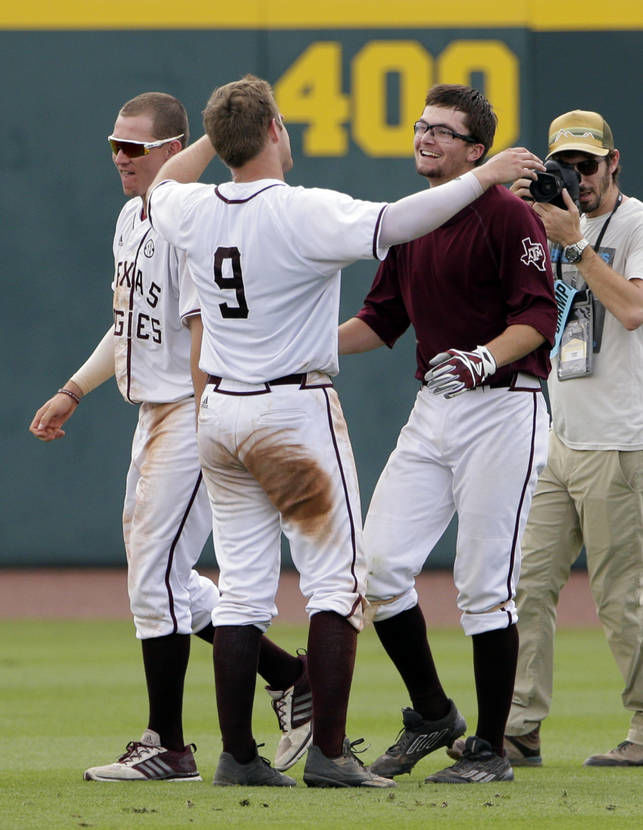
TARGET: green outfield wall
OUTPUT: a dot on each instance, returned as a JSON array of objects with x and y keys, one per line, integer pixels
[{"x": 350, "y": 80}]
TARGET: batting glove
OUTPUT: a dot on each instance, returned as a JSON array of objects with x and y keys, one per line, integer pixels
[{"x": 455, "y": 372}]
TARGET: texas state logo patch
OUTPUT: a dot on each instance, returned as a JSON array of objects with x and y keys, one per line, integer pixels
[{"x": 534, "y": 253}]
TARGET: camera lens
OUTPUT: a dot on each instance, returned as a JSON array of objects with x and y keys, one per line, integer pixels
[{"x": 545, "y": 187}]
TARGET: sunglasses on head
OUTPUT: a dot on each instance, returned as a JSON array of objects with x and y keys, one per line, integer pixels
[{"x": 135, "y": 149}]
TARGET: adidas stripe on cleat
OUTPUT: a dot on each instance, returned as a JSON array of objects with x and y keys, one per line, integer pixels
[
  {"x": 294, "y": 710},
  {"x": 479, "y": 765},
  {"x": 147, "y": 760},
  {"x": 417, "y": 738}
]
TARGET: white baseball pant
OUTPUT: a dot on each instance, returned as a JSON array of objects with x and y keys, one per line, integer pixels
[
  {"x": 278, "y": 458},
  {"x": 166, "y": 522},
  {"x": 480, "y": 454}
]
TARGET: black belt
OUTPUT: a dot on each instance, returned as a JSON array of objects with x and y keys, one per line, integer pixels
[{"x": 286, "y": 379}]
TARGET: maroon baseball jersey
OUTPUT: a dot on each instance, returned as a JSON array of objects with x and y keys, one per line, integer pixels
[{"x": 461, "y": 285}]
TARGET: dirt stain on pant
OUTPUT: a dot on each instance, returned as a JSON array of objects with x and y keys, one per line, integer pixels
[{"x": 295, "y": 483}]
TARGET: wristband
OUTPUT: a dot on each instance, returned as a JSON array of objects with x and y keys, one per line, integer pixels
[{"x": 71, "y": 394}]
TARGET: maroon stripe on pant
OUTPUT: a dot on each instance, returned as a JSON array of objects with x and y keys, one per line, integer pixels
[
  {"x": 341, "y": 472},
  {"x": 530, "y": 465},
  {"x": 170, "y": 561}
]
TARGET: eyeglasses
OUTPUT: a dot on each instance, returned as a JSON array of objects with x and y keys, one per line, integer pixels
[
  {"x": 135, "y": 149},
  {"x": 441, "y": 133}
]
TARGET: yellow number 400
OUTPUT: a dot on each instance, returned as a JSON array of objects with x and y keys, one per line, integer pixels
[{"x": 310, "y": 92}]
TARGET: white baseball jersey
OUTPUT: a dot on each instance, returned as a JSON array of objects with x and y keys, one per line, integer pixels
[
  {"x": 166, "y": 515},
  {"x": 266, "y": 260},
  {"x": 152, "y": 347}
]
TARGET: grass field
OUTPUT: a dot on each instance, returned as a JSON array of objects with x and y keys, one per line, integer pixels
[{"x": 71, "y": 695}]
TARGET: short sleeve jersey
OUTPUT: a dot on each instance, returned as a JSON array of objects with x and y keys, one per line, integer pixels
[
  {"x": 151, "y": 346},
  {"x": 604, "y": 410},
  {"x": 266, "y": 259},
  {"x": 462, "y": 284}
]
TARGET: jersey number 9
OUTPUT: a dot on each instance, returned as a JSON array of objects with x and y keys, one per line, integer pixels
[{"x": 234, "y": 282}]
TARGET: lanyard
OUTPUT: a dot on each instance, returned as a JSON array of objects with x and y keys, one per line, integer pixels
[{"x": 596, "y": 246}]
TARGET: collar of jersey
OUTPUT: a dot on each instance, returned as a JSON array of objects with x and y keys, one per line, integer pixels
[{"x": 237, "y": 192}]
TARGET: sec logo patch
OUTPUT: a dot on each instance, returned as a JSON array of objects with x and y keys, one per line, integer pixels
[{"x": 148, "y": 250}]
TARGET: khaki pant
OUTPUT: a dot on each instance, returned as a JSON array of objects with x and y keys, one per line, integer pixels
[{"x": 593, "y": 498}]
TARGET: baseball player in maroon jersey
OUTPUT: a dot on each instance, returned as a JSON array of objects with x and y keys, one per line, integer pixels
[
  {"x": 166, "y": 516},
  {"x": 479, "y": 294},
  {"x": 272, "y": 438}
]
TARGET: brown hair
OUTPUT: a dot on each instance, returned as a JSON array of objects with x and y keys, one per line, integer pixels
[
  {"x": 481, "y": 120},
  {"x": 236, "y": 119},
  {"x": 169, "y": 117},
  {"x": 615, "y": 173}
]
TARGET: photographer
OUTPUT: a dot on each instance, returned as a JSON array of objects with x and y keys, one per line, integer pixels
[{"x": 591, "y": 491}]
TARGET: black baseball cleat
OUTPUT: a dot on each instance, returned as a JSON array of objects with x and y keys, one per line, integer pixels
[
  {"x": 417, "y": 738},
  {"x": 521, "y": 750},
  {"x": 256, "y": 773},
  {"x": 479, "y": 765},
  {"x": 345, "y": 771}
]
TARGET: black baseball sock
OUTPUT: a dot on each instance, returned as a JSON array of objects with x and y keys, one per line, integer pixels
[
  {"x": 495, "y": 655},
  {"x": 405, "y": 640},
  {"x": 332, "y": 642},
  {"x": 206, "y": 633},
  {"x": 236, "y": 654},
  {"x": 277, "y": 667},
  {"x": 166, "y": 661}
]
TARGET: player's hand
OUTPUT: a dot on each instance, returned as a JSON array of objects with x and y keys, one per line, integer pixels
[
  {"x": 561, "y": 226},
  {"x": 47, "y": 421},
  {"x": 509, "y": 165},
  {"x": 455, "y": 371}
]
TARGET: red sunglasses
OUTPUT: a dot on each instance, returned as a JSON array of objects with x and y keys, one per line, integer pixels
[{"x": 135, "y": 149}]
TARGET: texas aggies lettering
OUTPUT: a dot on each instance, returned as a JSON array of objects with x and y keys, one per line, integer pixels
[{"x": 151, "y": 346}]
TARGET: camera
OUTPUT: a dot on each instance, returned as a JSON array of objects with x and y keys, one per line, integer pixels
[{"x": 547, "y": 187}]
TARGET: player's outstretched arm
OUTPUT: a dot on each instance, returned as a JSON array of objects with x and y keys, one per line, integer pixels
[
  {"x": 513, "y": 163},
  {"x": 419, "y": 214}
]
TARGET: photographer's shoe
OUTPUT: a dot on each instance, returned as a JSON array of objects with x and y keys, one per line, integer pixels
[{"x": 626, "y": 754}]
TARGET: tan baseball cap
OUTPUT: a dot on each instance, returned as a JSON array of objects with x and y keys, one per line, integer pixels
[{"x": 587, "y": 132}]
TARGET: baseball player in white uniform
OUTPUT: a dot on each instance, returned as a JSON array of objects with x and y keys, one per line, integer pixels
[
  {"x": 166, "y": 516},
  {"x": 273, "y": 442}
]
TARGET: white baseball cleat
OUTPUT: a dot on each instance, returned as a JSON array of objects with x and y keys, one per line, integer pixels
[
  {"x": 294, "y": 710},
  {"x": 147, "y": 760}
]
